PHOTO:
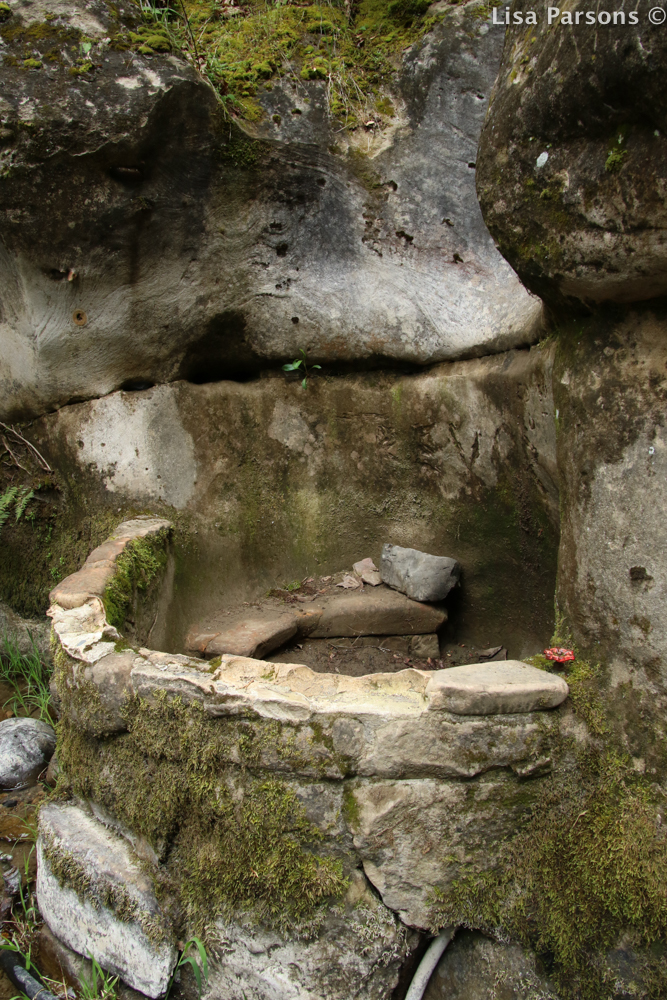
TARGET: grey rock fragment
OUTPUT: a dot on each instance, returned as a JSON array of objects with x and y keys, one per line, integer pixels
[
  {"x": 26, "y": 746},
  {"x": 421, "y": 576}
]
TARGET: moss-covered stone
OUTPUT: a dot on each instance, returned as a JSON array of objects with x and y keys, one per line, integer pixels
[{"x": 237, "y": 839}]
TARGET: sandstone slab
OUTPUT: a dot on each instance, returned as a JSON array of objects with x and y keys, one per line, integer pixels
[
  {"x": 254, "y": 636},
  {"x": 378, "y": 612},
  {"x": 26, "y": 747},
  {"x": 498, "y": 687},
  {"x": 111, "y": 912},
  {"x": 421, "y": 576}
]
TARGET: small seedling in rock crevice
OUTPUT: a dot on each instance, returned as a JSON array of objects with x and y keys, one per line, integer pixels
[
  {"x": 199, "y": 968},
  {"x": 299, "y": 364}
]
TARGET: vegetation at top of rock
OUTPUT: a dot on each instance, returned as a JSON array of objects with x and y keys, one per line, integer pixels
[
  {"x": 354, "y": 48},
  {"x": 136, "y": 568},
  {"x": 17, "y": 497}
]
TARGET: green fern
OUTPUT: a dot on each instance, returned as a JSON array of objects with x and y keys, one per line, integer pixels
[{"x": 17, "y": 496}]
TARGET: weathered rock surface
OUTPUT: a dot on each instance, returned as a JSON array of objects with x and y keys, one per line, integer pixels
[
  {"x": 95, "y": 898},
  {"x": 460, "y": 460},
  {"x": 99, "y": 568},
  {"x": 358, "y": 953},
  {"x": 509, "y": 686},
  {"x": 421, "y": 576},
  {"x": 571, "y": 170},
  {"x": 26, "y": 746},
  {"x": 475, "y": 967},
  {"x": 252, "y": 637},
  {"x": 401, "y": 828},
  {"x": 175, "y": 197},
  {"x": 611, "y": 389}
]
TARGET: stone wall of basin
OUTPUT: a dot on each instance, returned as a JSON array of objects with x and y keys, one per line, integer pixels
[{"x": 380, "y": 789}]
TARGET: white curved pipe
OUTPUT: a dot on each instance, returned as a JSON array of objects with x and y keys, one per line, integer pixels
[{"x": 428, "y": 963}]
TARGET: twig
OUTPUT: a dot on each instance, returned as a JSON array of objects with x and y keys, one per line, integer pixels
[
  {"x": 14, "y": 458},
  {"x": 40, "y": 458}
]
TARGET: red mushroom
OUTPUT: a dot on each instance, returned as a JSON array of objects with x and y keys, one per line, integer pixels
[{"x": 559, "y": 654}]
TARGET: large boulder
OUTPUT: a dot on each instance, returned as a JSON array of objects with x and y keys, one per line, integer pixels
[
  {"x": 572, "y": 163},
  {"x": 127, "y": 195},
  {"x": 610, "y": 386}
]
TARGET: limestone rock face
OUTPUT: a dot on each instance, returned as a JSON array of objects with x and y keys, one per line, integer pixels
[
  {"x": 111, "y": 912},
  {"x": 572, "y": 159},
  {"x": 345, "y": 256},
  {"x": 611, "y": 386},
  {"x": 358, "y": 953},
  {"x": 475, "y": 967},
  {"x": 26, "y": 746},
  {"x": 459, "y": 460}
]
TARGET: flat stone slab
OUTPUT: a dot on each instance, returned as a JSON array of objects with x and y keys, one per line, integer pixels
[
  {"x": 255, "y": 636},
  {"x": 85, "y": 918},
  {"x": 26, "y": 747},
  {"x": 380, "y": 611},
  {"x": 495, "y": 688},
  {"x": 255, "y": 632}
]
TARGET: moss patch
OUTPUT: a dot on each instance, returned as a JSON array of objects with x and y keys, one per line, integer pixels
[
  {"x": 588, "y": 869},
  {"x": 233, "y": 839},
  {"x": 140, "y": 564},
  {"x": 356, "y": 48}
]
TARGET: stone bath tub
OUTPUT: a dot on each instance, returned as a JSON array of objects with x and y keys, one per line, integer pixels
[{"x": 299, "y": 822}]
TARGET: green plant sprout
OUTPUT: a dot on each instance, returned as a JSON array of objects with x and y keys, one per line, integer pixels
[
  {"x": 299, "y": 364},
  {"x": 200, "y": 973},
  {"x": 29, "y": 678},
  {"x": 100, "y": 986}
]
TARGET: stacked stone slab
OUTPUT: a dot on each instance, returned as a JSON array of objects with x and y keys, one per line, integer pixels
[{"x": 405, "y": 776}]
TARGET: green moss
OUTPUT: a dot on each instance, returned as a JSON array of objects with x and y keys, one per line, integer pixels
[
  {"x": 79, "y": 696},
  {"x": 137, "y": 567},
  {"x": 238, "y": 841},
  {"x": 350, "y": 807},
  {"x": 590, "y": 866},
  {"x": 32, "y": 63},
  {"x": 357, "y": 53}
]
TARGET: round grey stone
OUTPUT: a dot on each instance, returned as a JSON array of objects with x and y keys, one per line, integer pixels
[{"x": 26, "y": 746}]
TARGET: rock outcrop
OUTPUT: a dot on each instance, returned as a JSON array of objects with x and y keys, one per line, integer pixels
[
  {"x": 127, "y": 195},
  {"x": 26, "y": 747},
  {"x": 271, "y": 483},
  {"x": 611, "y": 386},
  {"x": 571, "y": 171}
]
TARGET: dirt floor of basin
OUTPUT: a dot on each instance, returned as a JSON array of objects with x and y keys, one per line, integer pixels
[{"x": 373, "y": 654}]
